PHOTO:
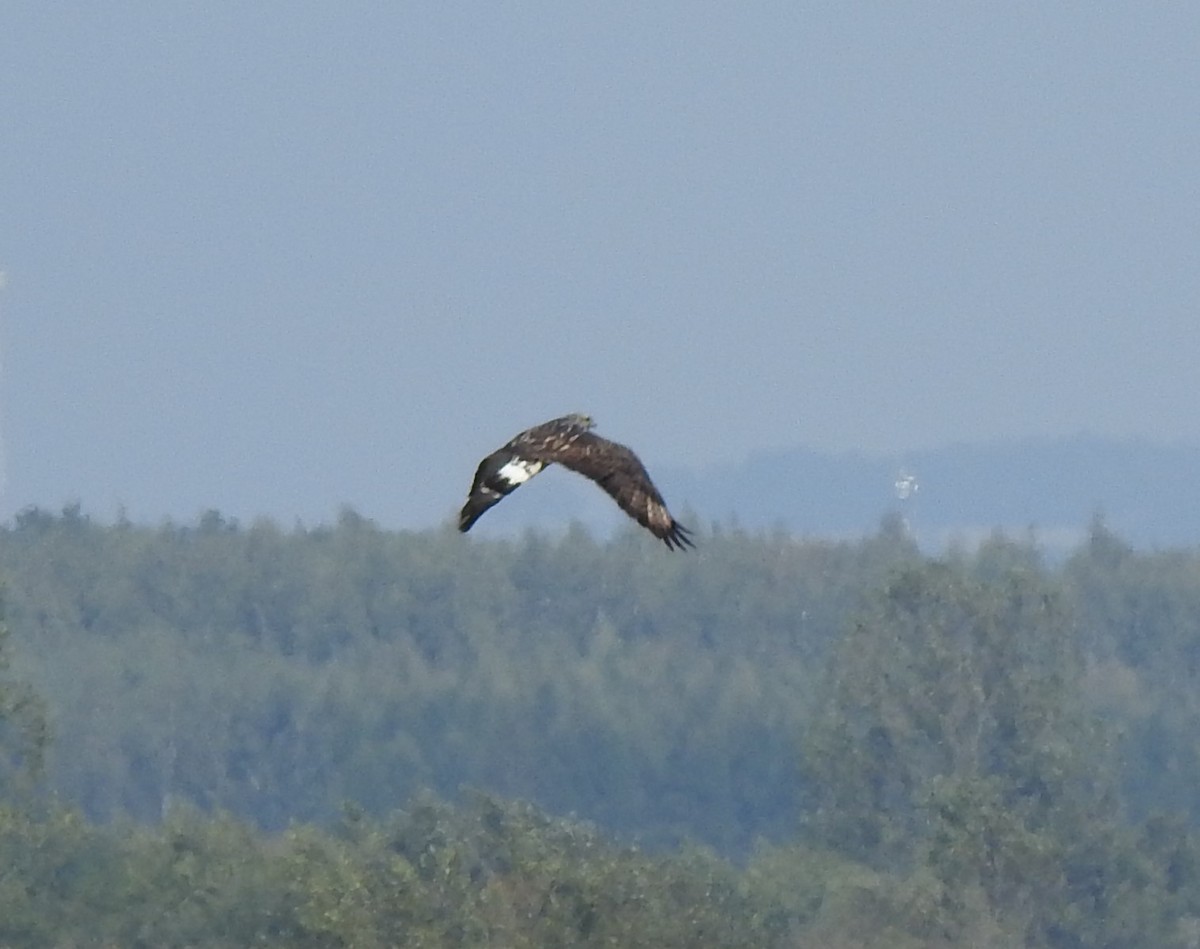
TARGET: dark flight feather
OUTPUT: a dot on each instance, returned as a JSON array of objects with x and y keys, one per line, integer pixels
[{"x": 569, "y": 441}]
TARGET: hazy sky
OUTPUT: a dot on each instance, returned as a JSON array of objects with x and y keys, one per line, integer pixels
[{"x": 275, "y": 257}]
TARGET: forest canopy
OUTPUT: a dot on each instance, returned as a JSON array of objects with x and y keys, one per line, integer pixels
[{"x": 989, "y": 745}]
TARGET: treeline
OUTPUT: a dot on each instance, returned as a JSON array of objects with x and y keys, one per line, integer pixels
[
  {"x": 979, "y": 749},
  {"x": 276, "y": 674},
  {"x": 487, "y": 873}
]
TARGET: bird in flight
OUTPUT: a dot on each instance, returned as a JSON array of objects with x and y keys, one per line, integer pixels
[{"x": 570, "y": 442}]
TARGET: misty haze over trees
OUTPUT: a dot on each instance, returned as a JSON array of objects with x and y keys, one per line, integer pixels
[
  {"x": 350, "y": 736},
  {"x": 1052, "y": 486}
]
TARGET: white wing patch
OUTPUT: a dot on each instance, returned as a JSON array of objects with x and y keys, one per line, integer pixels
[{"x": 519, "y": 470}]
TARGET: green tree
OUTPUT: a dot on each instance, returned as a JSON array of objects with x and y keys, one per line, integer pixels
[
  {"x": 23, "y": 727},
  {"x": 954, "y": 736}
]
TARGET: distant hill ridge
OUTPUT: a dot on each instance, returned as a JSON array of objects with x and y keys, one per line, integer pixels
[{"x": 1145, "y": 491}]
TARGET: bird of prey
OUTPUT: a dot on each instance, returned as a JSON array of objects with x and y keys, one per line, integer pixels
[{"x": 570, "y": 442}]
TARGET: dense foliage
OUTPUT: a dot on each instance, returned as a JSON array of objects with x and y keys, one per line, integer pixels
[
  {"x": 277, "y": 674},
  {"x": 977, "y": 750}
]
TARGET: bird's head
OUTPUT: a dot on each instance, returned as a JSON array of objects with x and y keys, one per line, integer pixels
[{"x": 580, "y": 420}]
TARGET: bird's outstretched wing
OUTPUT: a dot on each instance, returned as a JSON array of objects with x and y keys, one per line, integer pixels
[{"x": 616, "y": 469}]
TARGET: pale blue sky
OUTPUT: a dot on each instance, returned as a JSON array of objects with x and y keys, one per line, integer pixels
[{"x": 276, "y": 257}]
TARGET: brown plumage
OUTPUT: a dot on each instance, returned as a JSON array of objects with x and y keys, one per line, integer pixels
[{"x": 569, "y": 441}]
